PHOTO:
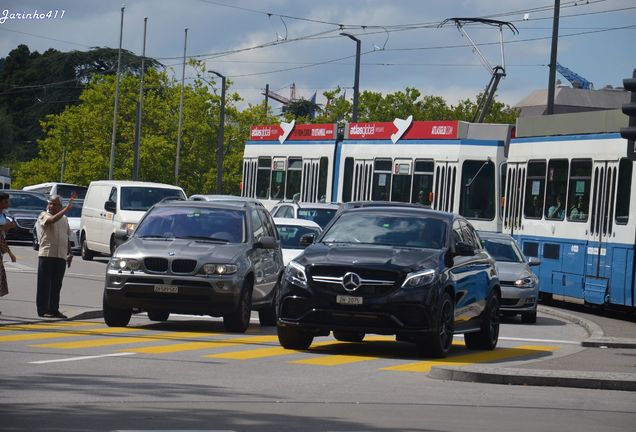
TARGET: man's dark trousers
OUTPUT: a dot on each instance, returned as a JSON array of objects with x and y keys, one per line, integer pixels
[{"x": 50, "y": 276}]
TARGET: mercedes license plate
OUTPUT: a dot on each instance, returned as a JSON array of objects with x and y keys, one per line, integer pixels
[
  {"x": 167, "y": 289},
  {"x": 348, "y": 300}
]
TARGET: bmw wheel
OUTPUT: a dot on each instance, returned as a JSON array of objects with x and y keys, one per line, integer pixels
[
  {"x": 115, "y": 317},
  {"x": 239, "y": 320}
]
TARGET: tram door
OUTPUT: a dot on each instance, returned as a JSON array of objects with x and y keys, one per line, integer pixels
[
  {"x": 309, "y": 186},
  {"x": 445, "y": 181},
  {"x": 598, "y": 260},
  {"x": 513, "y": 197},
  {"x": 362, "y": 180}
]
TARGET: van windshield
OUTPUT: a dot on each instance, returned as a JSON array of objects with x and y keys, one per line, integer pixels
[
  {"x": 65, "y": 191},
  {"x": 141, "y": 198}
]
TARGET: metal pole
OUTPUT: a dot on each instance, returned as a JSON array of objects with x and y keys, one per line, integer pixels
[
  {"x": 114, "y": 137},
  {"x": 63, "y": 164},
  {"x": 356, "y": 82},
  {"x": 176, "y": 166},
  {"x": 135, "y": 175},
  {"x": 553, "y": 56},
  {"x": 220, "y": 138},
  {"x": 266, "y": 97}
]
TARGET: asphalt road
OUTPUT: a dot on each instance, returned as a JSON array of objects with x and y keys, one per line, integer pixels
[{"x": 187, "y": 374}]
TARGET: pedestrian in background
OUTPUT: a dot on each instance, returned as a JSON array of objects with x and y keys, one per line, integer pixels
[
  {"x": 5, "y": 225},
  {"x": 53, "y": 256}
]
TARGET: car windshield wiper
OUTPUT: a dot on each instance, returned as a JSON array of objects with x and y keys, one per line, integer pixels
[
  {"x": 155, "y": 237},
  {"x": 214, "y": 239}
]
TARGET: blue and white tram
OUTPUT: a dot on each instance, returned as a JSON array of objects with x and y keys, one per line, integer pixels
[
  {"x": 452, "y": 166},
  {"x": 568, "y": 201},
  {"x": 294, "y": 164}
]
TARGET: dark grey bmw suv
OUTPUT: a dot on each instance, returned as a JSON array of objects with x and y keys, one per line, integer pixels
[
  {"x": 419, "y": 274},
  {"x": 197, "y": 257}
]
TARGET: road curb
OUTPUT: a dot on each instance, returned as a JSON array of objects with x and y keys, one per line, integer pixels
[
  {"x": 556, "y": 378},
  {"x": 593, "y": 330},
  {"x": 610, "y": 342}
]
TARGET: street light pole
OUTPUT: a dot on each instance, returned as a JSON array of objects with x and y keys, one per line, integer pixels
[
  {"x": 220, "y": 137},
  {"x": 114, "y": 136},
  {"x": 553, "y": 57},
  {"x": 140, "y": 101},
  {"x": 356, "y": 82}
]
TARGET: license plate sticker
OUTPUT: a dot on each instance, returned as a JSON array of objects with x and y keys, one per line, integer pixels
[
  {"x": 167, "y": 289},
  {"x": 348, "y": 300}
]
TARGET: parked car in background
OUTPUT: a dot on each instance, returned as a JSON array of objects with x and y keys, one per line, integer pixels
[
  {"x": 321, "y": 213},
  {"x": 64, "y": 190},
  {"x": 291, "y": 231},
  {"x": 113, "y": 205},
  {"x": 74, "y": 217},
  {"x": 24, "y": 209},
  {"x": 519, "y": 285},
  {"x": 419, "y": 274},
  {"x": 200, "y": 258},
  {"x": 225, "y": 199}
]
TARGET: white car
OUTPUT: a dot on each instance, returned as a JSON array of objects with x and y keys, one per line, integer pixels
[
  {"x": 290, "y": 231},
  {"x": 321, "y": 213}
]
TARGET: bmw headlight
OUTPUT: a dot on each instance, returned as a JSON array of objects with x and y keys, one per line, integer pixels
[
  {"x": 419, "y": 278},
  {"x": 295, "y": 273},
  {"x": 527, "y": 282},
  {"x": 128, "y": 264},
  {"x": 219, "y": 269}
]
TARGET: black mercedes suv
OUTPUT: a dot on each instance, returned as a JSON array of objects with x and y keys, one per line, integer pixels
[
  {"x": 200, "y": 258},
  {"x": 417, "y": 273}
]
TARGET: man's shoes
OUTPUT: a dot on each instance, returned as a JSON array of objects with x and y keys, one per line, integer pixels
[
  {"x": 47, "y": 315},
  {"x": 59, "y": 314}
]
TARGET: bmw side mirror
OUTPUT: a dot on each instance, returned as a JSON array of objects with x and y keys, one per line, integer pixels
[
  {"x": 533, "y": 261},
  {"x": 267, "y": 242},
  {"x": 464, "y": 249},
  {"x": 306, "y": 240}
]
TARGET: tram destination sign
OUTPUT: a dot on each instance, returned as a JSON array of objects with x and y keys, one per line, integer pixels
[{"x": 417, "y": 130}]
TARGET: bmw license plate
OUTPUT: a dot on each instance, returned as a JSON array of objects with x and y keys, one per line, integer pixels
[
  {"x": 348, "y": 300},
  {"x": 167, "y": 289}
]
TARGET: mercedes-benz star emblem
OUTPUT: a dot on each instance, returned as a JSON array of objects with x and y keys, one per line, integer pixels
[
  {"x": 351, "y": 281},
  {"x": 172, "y": 253}
]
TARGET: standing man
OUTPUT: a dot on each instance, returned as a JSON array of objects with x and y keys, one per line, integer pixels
[{"x": 53, "y": 257}]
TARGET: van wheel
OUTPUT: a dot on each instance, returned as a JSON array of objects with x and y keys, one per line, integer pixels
[{"x": 87, "y": 254}]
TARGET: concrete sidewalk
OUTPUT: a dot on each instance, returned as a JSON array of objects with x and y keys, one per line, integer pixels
[{"x": 606, "y": 363}]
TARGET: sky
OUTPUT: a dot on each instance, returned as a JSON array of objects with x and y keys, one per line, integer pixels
[{"x": 403, "y": 44}]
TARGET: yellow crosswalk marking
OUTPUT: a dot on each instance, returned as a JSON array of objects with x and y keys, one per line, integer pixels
[
  {"x": 93, "y": 343},
  {"x": 333, "y": 360},
  {"x": 253, "y": 353},
  {"x": 191, "y": 346},
  {"x": 48, "y": 325},
  {"x": 478, "y": 357},
  {"x": 73, "y": 333}
]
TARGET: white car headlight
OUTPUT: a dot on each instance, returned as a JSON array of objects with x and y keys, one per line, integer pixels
[
  {"x": 419, "y": 278},
  {"x": 295, "y": 273},
  {"x": 129, "y": 227},
  {"x": 527, "y": 282},
  {"x": 219, "y": 269},
  {"x": 128, "y": 264}
]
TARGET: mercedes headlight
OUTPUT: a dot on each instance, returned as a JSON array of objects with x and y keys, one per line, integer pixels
[
  {"x": 219, "y": 269},
  {"x": 295, "y": 273},
  {"x": 527, "y": 282},
  {"x": 419, "y": 278},
  {"x": 128, "y": 264}
]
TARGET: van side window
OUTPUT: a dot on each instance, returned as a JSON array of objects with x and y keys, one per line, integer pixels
[{"x": 113, "y": 195}]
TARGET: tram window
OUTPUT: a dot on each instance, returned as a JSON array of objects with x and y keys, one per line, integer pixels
[
  {"x": 579, "y": 190},
  {"x": 347, "y": 181},
  {"x": 551, "y": 251},
  {"x": 294, "y": 176},
  {"x": 531, "y": 249},
  {"x": 556, "y": 189},
  {"x": 263, "y": 177},
  {"x": 381, "y": 179},
  {"x": 535, "y": 189},
  {"x": 502, "y": 184},
  {"x": 624, "y": 191},
  {"x": 322, "y": 179},
  {"x": 477, "y": 200},
  {"x": 278, "y": 183},
  {"x": 422, "y": 182},
  {"x": 401, "y": 189}
]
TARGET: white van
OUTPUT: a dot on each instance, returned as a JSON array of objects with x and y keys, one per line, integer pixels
[
  {"x": 112, "y": 205},
  {"x": 64, "y": 190}
]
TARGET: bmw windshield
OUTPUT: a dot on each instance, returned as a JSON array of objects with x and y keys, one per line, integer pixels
[
  {"x": 193, "y": 223},
  {"x": 389, "y": 230}
]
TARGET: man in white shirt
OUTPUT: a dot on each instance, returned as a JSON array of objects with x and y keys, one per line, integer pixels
[{"x": 53, "y": 256}]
